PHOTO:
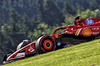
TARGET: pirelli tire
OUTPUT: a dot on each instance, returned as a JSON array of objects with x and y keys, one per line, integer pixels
[
  {"x": 5, "y": 58},
  {"x": 45, "y": 44}
]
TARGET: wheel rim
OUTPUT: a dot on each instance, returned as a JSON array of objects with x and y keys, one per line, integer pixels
[{"x": 47, "y": 44}]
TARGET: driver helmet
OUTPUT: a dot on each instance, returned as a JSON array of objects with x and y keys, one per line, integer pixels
[{"x": 26, "y": 41}]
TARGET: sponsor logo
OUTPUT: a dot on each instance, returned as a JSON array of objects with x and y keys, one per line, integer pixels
[
  {"x": 31, "y": 49},
  {"x": 20, "y": 54},
  {"x": 56, "y": 36},
  {"x": 86, "y": 32},
  {"x": 89, "y": 21},
  {"x": 95, "y": 28},
  {"x": 78, "y": 32},
  {"x": 96, "y": 33}
]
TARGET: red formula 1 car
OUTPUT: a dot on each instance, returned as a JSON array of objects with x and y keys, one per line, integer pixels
[{"x": 84, "y": 30}]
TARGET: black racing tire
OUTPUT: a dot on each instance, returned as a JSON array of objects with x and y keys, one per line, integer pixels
[
  {"x": 7, "y": 55},
  {"x": 45, "y": 44}
]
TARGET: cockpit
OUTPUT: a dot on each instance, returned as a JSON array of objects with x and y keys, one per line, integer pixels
[{"x": 83, "y": 22}]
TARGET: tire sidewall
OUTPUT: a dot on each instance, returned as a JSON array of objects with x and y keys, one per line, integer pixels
[{"x": 39, "y": 44}]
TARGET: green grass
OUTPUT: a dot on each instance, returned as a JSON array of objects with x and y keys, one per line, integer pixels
[{"x": 85, "y": 54}]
